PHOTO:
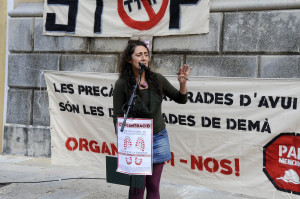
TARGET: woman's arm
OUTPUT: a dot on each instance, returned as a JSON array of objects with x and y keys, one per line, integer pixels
[{"x": 170, "y": 91}]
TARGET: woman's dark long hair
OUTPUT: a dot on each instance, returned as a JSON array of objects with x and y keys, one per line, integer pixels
[{"x": 126, "y": 71}]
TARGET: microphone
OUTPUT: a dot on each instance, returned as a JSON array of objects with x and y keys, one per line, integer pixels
[{"x": 143, "y": 66}]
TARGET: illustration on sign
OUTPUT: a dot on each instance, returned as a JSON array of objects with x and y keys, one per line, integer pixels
[
  {"x": 154, "y": 18},
  {"x": 290, "y": 176}
]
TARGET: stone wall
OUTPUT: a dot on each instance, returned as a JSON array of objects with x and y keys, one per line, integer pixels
[{"x": 251, "y": 42}]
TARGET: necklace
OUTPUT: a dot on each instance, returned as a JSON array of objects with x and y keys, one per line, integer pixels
[{"x": 144, "y": 84}]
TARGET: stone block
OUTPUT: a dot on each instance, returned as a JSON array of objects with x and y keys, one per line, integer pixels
[
  {"x": 89, "y": 63},
  {"x": 20, "y": 34},
  {"x": 41, "y": 114},
  {"x": 19, "y": 106},
  {"x": 39, "y": 142},
  {"x": 108, "y": 44},
  {"x": 25, "y": 70},
  {"x": 167, "y": 64},
  {"x": 193, "y": 43},
  {"x": 26, "y": 140},
  {"x": 15, "y": 140},
  {"x": 44, "y": 43},
  {"x": 223, "y": 66},
  {"x": 280, "y": 66},
  {"x": 268, "y": 31}
]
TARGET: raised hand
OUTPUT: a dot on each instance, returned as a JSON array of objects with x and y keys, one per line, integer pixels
[{"x": 184, "y": 74}]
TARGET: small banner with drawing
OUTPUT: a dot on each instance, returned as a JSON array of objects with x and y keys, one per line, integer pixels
[{"x": 135, "y": 146}]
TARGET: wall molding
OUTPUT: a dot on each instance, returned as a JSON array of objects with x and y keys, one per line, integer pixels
[{"x": 252, "y": 5}]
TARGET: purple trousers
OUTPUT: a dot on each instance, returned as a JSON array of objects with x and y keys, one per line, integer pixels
[{"x": 151, "y": 184}]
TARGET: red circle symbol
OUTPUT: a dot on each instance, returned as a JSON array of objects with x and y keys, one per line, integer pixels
[
  {"x": 154, "y": 18},
  {"x": 282, "y": 162}
]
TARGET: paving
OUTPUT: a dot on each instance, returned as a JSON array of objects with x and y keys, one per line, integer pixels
[{"x": 36, "y": 178}]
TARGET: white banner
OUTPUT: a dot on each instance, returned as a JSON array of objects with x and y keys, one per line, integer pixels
[
  {"x": 233, "y": 134},
  {"x": 125, "y": 18}
]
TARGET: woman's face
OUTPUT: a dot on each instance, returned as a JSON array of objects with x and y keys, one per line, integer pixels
[{"x": 140, "y": 54}]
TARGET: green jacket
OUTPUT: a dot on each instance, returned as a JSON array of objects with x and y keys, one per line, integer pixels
[{"x": 147, "y": 104}]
